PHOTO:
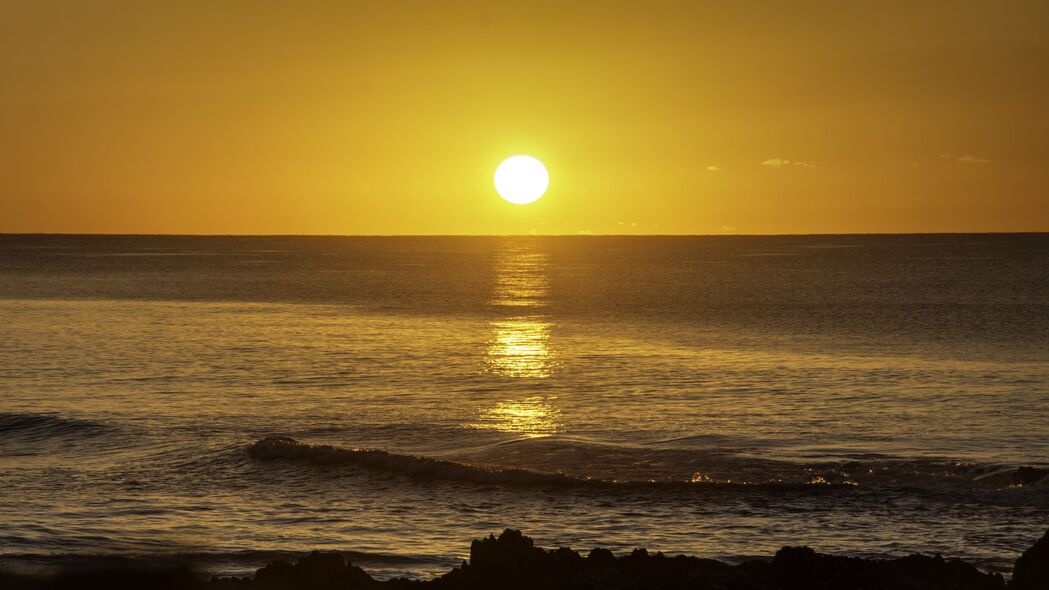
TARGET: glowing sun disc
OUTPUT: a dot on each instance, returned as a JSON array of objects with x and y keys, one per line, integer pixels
[{"x": 521, "y": 179}]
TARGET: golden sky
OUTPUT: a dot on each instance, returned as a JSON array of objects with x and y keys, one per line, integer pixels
[{"x": 389, "y": 117}]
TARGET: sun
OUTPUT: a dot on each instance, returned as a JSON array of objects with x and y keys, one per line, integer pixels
[{"x": 521, "y": 179}]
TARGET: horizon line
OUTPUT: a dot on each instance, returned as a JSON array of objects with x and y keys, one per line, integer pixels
[{"x": 529, "y": 235}]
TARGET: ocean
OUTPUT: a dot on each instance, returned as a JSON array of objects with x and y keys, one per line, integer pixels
[{"x": 229, "y": 400}]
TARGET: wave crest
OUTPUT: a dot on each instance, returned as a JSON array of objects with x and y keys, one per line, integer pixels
[
  {"x": 288, "y": 449},
  {"x": 46, "y": 426},
  {"x": 285, "y": 448}
]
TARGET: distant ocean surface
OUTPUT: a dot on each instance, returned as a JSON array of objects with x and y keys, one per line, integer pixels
[{"x": 716, "y": 396}]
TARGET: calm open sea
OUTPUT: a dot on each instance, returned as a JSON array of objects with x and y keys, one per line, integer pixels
[{"x": 718, "y": 396}]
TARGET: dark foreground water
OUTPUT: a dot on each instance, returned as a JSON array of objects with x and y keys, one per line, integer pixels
[{"x": 721, "y": 396}]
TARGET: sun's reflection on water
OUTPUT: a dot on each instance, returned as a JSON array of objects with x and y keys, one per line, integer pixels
[
  {"x": 533, "y": 416},
  {"x": 520, "y": 348},
  {"x": 520, "y": 342}
]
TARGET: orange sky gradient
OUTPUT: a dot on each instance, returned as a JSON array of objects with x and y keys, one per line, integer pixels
[{"x": 262, "y": 117}]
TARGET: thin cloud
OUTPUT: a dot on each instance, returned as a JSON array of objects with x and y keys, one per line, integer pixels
[
  {"x": 783, "y": 162},
  {"x": 713, "y": 169},
  {"x": 966, "y": 159}
]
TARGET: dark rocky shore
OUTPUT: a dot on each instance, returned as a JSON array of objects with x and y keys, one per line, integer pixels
[{"x": 512, "y": 561}]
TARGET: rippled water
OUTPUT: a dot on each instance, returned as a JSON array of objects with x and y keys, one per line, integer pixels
[{"x": 868, "y": 395}]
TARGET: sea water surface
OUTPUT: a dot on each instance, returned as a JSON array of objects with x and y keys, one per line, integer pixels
[{"x": 229, "y": 400}]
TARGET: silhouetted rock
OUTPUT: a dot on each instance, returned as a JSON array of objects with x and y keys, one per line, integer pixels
[
  {"x": 801, "y": 567},
  {"x": 316, "y": 571},
  {"x": 1029, "y": 476},
  {"x": 512, "y": 561},
  {"x": 150, "y": 577},
  {"x": 1031, "y": 571}
]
